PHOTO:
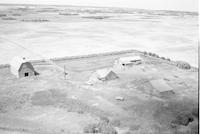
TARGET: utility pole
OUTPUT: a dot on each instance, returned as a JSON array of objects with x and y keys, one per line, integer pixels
[{"x": 65, "y": 73}]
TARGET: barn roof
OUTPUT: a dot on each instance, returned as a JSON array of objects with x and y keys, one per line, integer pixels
[
  {"x": 160, "y": 85},
  {"x": 28, "y": 64}
]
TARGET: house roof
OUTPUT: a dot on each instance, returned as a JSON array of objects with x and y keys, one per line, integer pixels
[
  {"x": 99, "y": 74},
  {"x": 129, "y": 59},
  {"x": 160, "y": 85},
  {"x": 102, "y": 73}
]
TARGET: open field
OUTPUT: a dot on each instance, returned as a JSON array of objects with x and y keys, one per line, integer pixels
[
  {"x": 50, "y": 104},
  {"x": 59, "y": 31}
]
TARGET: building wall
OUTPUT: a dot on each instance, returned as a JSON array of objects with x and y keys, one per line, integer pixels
[
  {"x": 167, "y": 93},
  {"x": 26, "y": 70}
]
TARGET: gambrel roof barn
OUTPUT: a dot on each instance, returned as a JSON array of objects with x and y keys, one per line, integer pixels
[{"x": 21, "y": 68}]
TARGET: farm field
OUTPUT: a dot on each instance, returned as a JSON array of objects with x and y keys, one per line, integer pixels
[
  {"x": 59, "y": 31},
  {"x": 50, "y": 104}
]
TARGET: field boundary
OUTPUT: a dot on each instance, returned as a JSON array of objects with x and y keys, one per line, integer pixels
[{"x": 43, "y": 62}]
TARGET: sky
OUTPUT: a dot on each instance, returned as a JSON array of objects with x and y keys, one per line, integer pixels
[{"x": 178, "y": 5}]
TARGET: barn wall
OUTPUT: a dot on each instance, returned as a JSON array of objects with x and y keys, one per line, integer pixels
[
  {"x": 111, "y": 76},
  {"x": 24, "y": 70}
]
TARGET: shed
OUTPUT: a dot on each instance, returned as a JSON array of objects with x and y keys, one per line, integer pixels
[
  {"x": 102, "y": 75},
  {"x": 132, "y": 60},
  {"x": 21, "y": 68},
  {"x": 162, "y": 87}
]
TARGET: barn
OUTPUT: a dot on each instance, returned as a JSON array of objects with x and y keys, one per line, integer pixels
[
  {"x": 22, "y": 68},
  {"x": 102, "y": 75}
]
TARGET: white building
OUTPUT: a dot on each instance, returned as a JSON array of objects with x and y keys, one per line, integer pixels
[
  {"x": 102, "y": 75},
  {"x": 162, "y": 87},
  {"x": 128, "y": 61}
]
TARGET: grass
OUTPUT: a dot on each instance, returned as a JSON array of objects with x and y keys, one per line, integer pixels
[
  {"x": 47, "y": 97},
  {"x": 103, "y": 128},
  {"x": 68, "y": 14},
  {"x": 9, "y": 18},
  {"x": 176, "y": 113},
  {"x": 58, "y": 98},
  {"x": 16, "y": 14},
  {"x": 3, "y": 15},
  {"x": 96, "y": 17},
  {"x": 35, "y": 20}
]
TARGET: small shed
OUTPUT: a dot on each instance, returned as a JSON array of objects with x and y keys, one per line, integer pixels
[
  {"x": 22, "y": 68},
  {"x": 127, "y": 61},
  {"x": 162, "y": 87},
  {"x": 106, "y": 74},
  {"x": 102, "y": 75}
]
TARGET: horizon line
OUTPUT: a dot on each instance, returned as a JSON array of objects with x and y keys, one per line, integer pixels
[{"x": 62, "y": 5}]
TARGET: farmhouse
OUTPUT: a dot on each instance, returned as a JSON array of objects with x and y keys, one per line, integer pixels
[
  {"x": 102, "y": 75},
  {"x": 21, "y": 68},
  {"x": 162, "y": 87},
  {"x": 128, "y": 61}
]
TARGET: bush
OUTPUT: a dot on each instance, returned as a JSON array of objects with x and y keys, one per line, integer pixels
[
  {"x": 168, "y": 59},
  {"x": 183, "y": 65},
  {"x": 153, "y": 54},
  {"x": 99, "y": 128},
  {"x": 163, "y": 58},
  {"x": 183, "y": 119},
  {"x": 145, "y": 53},
  {"x": 157, "y": 56},
  {"x": 150, "y": 54}
]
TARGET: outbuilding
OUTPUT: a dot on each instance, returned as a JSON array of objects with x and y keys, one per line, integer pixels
[
  {"x": 102, "y": 75},
  {"x": 128, "y": 61},
  {"x": 162, "y": 87},
  {"x": 22, "y": 68}
]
